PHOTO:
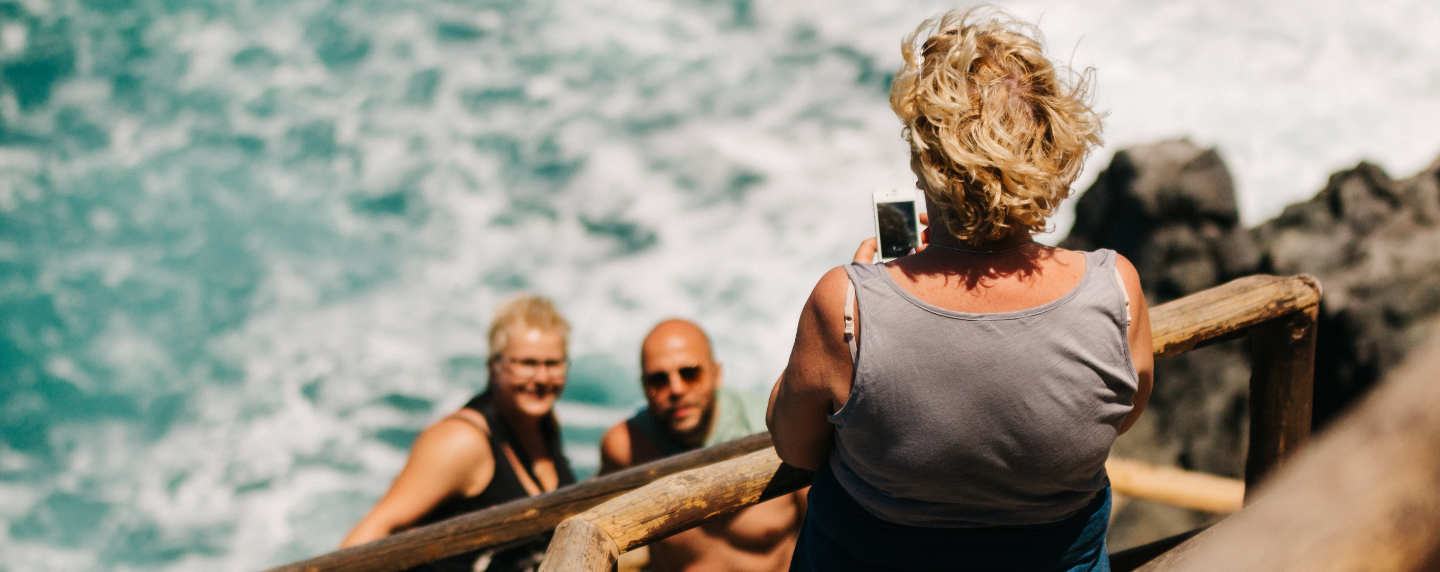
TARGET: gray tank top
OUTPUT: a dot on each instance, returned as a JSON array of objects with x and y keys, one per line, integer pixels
[{"x": 961, "y": 420}]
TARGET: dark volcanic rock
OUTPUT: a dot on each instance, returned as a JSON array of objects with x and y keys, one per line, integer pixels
[
  {"x": 1374, "y": 243},
  {"x": 1170, "y": 208}
]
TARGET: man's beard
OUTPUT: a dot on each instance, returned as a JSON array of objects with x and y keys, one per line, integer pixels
[{"x": 695, "y": 435}]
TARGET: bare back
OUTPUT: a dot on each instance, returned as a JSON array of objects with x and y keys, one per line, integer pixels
[{"x": 982, "y": 286}]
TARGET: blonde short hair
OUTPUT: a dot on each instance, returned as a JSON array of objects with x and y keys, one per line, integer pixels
[
  {"x": 525, "y": 311},
  {"x": 997, "y": 132}
]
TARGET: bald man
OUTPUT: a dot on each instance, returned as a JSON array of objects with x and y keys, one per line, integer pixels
[{"x": 686, "y": 408}]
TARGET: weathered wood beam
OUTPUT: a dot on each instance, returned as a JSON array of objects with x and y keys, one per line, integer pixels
[
  {"x": 1133, "y": 558},
  {"x": 580, "y": 545},
  {"x": 1175, "y": 486},
  {"x": 686, "y": 500},
  {"x": 514, "y": 520},
  {"x": 1180, "y": 325},
  {"x": 1364, "y": 496}
]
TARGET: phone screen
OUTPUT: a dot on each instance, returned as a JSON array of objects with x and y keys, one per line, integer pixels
[{"x": 897, "y": 228}]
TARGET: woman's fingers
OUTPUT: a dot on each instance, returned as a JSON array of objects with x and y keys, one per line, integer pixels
[
  {"x": 925, "y": 232},
  {"x": 866, "y": 253}
]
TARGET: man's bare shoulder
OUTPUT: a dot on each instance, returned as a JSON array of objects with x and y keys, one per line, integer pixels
[
  {"x": 623, "y": 447},
  {"x": 615, "y": 451}
]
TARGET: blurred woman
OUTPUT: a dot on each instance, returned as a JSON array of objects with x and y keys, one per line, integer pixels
[
  {"x": 502, "y": 446},
  {"x": 959, "y": 403}
]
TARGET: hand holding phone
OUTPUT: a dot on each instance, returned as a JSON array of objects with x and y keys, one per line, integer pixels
[
  {"x": 865, "y": 253},
  {"x": 897, "y": 224}
]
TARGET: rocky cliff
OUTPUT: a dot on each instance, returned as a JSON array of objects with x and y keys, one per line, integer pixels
[{"x": 1170, "y": 208}]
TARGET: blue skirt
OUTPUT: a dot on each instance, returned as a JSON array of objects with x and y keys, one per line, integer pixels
[{"x": 839, "y": 535}]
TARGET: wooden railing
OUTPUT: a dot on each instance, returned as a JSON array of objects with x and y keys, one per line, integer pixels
[
  {"x": 511, "y": 521},
  {"x": 1364, "y": 497},
  {"x": 1278, "y": 313}
]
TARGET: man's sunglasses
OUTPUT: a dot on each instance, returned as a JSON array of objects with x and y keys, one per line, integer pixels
[{"x": 690, "y": 374}]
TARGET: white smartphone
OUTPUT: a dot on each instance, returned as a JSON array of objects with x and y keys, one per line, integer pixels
[{"x": 897, "y": 223}]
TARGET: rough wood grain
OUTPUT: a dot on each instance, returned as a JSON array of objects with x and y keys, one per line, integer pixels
[
  {"x": 579, "y": 545},
  {"x": 1174, "y": 486},
  {"x": 1180, "y": 325},
  {"x": 683, "y": 501},
  {"x": 1282, "y": 380},
  {"x": 1363, "y": 497},
  {"x": 514, "y": 520},
  {"x": 1133, "y": 558}
]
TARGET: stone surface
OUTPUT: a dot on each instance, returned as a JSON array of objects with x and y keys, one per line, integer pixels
[{"x": 1170, "y": 208}]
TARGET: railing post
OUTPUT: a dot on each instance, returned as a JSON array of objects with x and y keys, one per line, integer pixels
[{"x": 1282, "y": 388}]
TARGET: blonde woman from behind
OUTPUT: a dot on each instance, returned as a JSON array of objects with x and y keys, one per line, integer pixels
[{"x": 958, "y": 404}]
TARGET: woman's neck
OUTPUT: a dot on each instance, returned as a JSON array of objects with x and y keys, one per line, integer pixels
[{"x": 941, "y": 236}]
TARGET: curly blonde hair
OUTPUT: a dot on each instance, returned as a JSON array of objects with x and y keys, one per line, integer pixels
[
  {"x": 525, "y": 311},
  {"x": 997, "y": 133}
]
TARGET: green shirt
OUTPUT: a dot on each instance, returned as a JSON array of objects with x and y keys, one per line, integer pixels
[{"x": 737, "y": 414}]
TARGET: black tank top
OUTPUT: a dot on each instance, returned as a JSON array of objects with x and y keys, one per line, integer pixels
[{"x": 522, "y": 555}]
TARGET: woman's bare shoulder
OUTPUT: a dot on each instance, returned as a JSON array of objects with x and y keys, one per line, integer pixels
[
  {"x": 464, "y": 438},
  {"x": 829, "y": 292},
  {"x": 1065, "y": 256}
]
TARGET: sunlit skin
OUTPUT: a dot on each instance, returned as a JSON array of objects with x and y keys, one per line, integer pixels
[
  {"x": 452, "y": 458},
  {"x": 816, "y": 382},
  {"x": 760, "y": 538}
]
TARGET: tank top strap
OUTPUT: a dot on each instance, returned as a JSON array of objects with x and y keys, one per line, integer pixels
[
  {"x": 1108, "y": 287},
  {"x": 502, "y": 435},
  {"x": 549, "y": 431},
  {"x": 1103, "y": 258},
  {"x": 850, "y": 318},
  {"x": 856, "y": 272},
  {"x": 482, "y": 429}
]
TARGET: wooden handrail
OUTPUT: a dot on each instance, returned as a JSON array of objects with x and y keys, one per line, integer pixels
[
  {"x": 1180, "y": 325},
  {"x": 514, "y": 520},
  {"x": 1364, "y": 497},
  {"x": 1280, "y": 310},
  {"x": 1175, "y": 487},
  {"x": 523, "y": 518}
]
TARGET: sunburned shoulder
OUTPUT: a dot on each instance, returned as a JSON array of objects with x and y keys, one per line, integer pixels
[
  {"x": 1125, "y": 267},
  {"x": 828, "y": 298},
  {"x": 1131, "y": 277},
  {"x": 455, "y": 438}
]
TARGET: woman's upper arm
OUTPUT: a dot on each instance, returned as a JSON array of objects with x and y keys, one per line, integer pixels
[
  {"x": 816, "y": 378},
  {"x": 447, "y": 460},
  {"x": 1141, "y": 345}
]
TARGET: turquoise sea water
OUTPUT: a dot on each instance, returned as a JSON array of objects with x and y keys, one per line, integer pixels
[{"x": 249, "y": 248}]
